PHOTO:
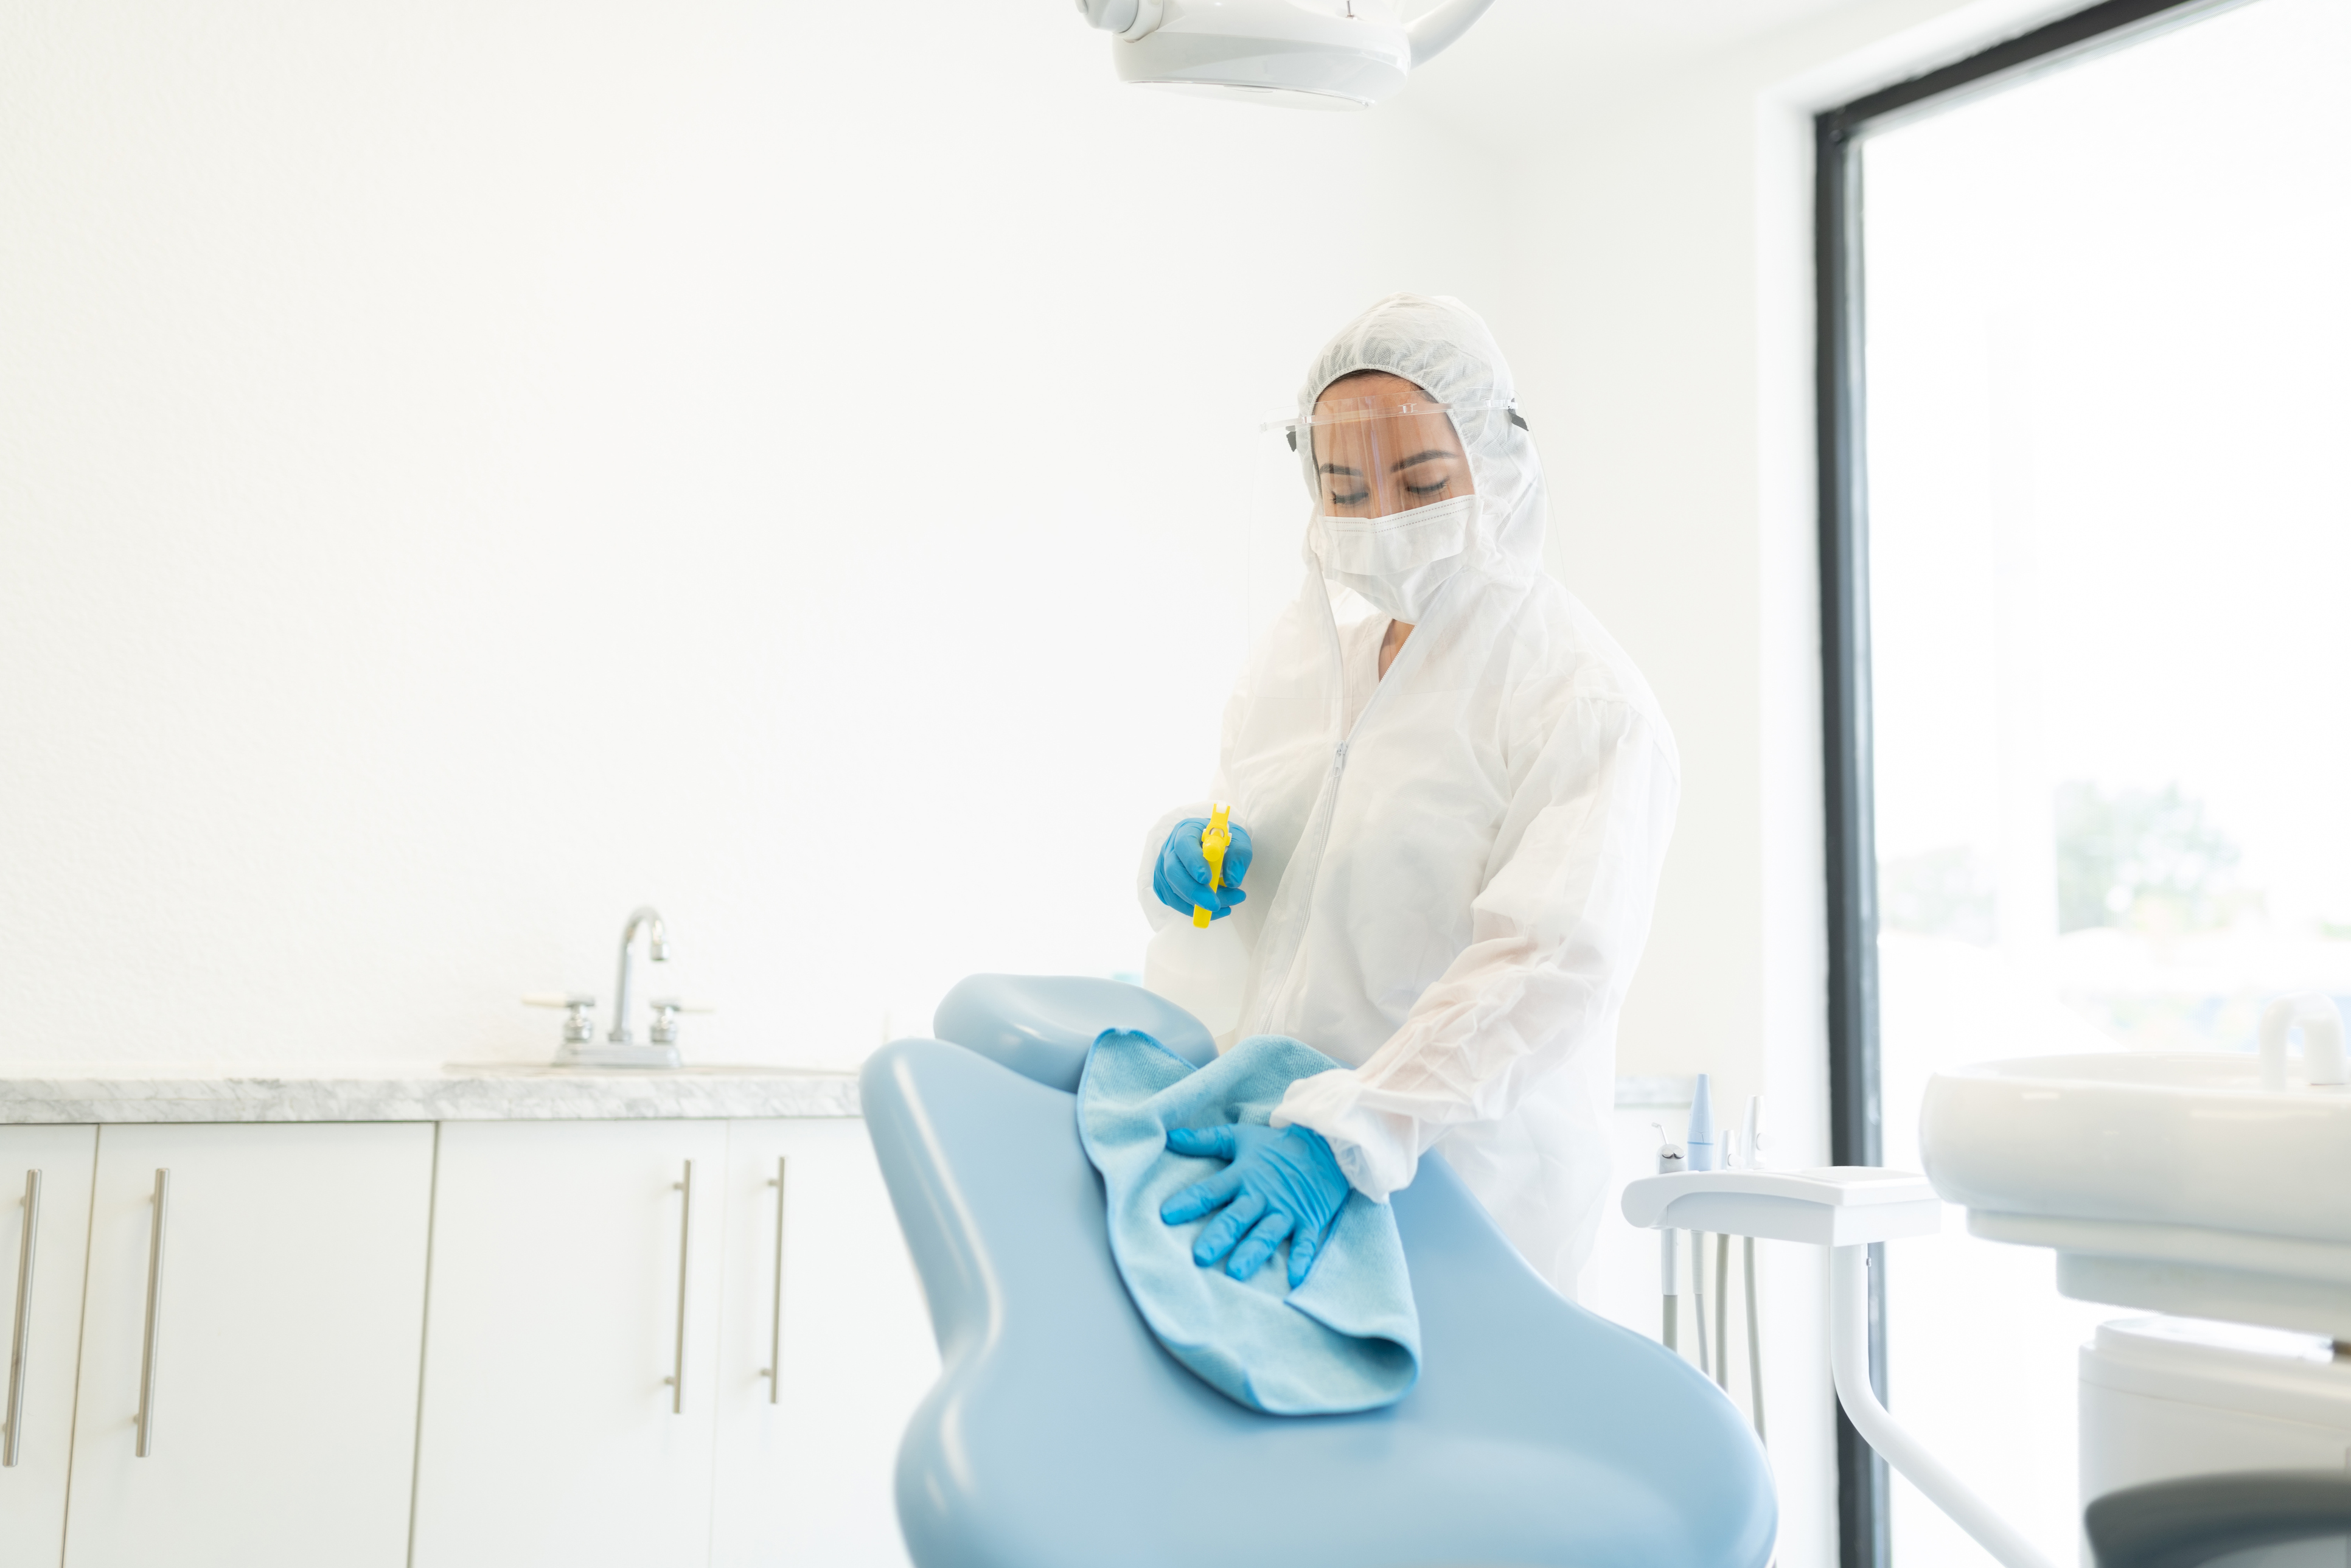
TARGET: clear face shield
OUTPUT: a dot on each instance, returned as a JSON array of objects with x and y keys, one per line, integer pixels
[
  {"x": 1392, "y": 509},
  {"x": 1375, "y": 456}
]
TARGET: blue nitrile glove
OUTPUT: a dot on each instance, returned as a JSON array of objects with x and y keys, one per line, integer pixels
[
  {"x": 1282, "y": 1182},
  {"x": 1181, "y": 879}
]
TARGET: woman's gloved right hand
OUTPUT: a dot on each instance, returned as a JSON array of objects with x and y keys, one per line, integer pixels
[
  {"x": 1284, "y": 1182},
  {"x": 1181, "y": 879}
]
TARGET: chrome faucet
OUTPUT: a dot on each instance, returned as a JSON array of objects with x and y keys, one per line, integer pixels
[
  {"x": 658, "y": 945},
  {"x": 619, "y": 1046}
]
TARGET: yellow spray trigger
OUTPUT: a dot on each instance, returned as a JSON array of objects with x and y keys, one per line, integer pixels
[{"x": 1214, "y": 840}]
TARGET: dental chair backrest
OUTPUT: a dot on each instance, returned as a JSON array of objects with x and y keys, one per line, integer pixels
[{"x": 1061, "y": 1436}]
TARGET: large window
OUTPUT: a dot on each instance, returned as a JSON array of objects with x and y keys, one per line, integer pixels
[{"x": 2088, "y": 388}]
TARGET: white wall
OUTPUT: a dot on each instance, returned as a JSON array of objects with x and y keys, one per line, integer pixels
[{"x": 468, "y": 469}]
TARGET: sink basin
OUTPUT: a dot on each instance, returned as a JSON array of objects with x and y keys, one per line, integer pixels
[
  {"x": 2171, "y": 1181},
  {"x": 689, "y": 1069}
]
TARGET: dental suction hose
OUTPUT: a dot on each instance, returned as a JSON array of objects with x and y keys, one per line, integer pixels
[{"x": 1849, "y": 1362}]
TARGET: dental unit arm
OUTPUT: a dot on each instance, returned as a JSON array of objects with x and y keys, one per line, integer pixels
[{"x": 1845, "y": 1208}]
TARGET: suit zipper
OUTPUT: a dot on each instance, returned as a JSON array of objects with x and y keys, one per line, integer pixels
[
  {"x": 1338, "y": 769},
  {"x": 1322, "y": 843},
  {"x": 1331, "y": 815}
]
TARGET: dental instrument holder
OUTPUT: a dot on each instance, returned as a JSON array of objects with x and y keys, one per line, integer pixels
[
  {"x": 1845, "y": 1208},
  {"x": 2322, "y": 1041}
]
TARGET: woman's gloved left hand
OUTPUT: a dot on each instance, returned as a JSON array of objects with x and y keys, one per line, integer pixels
[
  {"x": 1181, "y": 878},
  {"x": 1282, "y": 1182}
]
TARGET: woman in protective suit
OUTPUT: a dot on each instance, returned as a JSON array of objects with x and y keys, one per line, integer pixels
[{"x": 1451, "y": 794}]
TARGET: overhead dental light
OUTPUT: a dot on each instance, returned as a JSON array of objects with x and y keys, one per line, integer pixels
[{"x": 1300, "y": 54}]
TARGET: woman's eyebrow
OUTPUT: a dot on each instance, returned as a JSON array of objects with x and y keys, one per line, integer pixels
[
  {"x": 1432, "y": 453},
  {"x": 1341, "y": 468}
]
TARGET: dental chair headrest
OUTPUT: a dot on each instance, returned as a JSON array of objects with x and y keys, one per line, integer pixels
[{"x": 1041, "y": 1025}]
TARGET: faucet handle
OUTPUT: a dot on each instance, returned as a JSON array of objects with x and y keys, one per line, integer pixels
[
  {"x": 665, "y": 1014},
  {"x": 577, "y": 1029}
]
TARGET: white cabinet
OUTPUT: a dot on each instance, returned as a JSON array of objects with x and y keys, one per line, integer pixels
[
  {"x": 552, "y": 1434},
  {"x": 275, "y": 1349},
  {"x": 486, "y": 1345},
  {"x": 44, "y": 1327},
  {"x": 804, "y": 1472}
]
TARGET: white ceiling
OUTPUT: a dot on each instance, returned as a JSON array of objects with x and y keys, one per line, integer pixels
[{"x": 1528, "y": 58}]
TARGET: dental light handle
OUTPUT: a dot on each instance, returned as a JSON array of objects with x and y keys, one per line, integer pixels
[
  {"x": 1849, "y": 1364},
  {"x": 1435, "y": 31}
]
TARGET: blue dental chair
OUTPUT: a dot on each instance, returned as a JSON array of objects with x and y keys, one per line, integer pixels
[{"x": 1061, "y": 1436}]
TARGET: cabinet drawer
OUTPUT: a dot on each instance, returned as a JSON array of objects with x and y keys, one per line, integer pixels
[
  {"x": 806, "y": 1465},
  {"x": 552, "y": 1434},
  {"x": 271, "y": 1342}
]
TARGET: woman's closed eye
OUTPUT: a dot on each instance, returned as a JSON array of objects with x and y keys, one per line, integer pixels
[
  {"x": 1426, "y": 474},
  {"x": 1347, "y": 486}
]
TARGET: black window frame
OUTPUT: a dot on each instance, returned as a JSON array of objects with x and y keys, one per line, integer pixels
[{"x": 1856, "y": 1117}]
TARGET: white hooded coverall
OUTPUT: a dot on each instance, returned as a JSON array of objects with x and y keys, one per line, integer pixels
[{"x": 1454, "y": 865}]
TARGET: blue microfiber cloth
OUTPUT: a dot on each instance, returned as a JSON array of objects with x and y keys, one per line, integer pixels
[{"x": 1347, "y": 1339}]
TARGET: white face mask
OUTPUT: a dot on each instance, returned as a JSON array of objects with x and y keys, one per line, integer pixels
[{"x": 1398, "y": 561}]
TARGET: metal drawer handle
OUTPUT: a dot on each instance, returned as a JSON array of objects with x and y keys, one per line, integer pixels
[
  {"x": 155, "y": 1316},
  {"x": 17, "y": 1343},
  {"x": 774, "y": 1371},
  {"x": 676, "y": 1379}
]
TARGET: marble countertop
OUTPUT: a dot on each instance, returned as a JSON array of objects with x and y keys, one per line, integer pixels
[
  {"x": 517, "y": 1091},
  {"x": 80, "y": 1094}
]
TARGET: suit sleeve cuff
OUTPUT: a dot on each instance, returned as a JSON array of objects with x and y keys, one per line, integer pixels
[{"x": 1378, "y": 1151}]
